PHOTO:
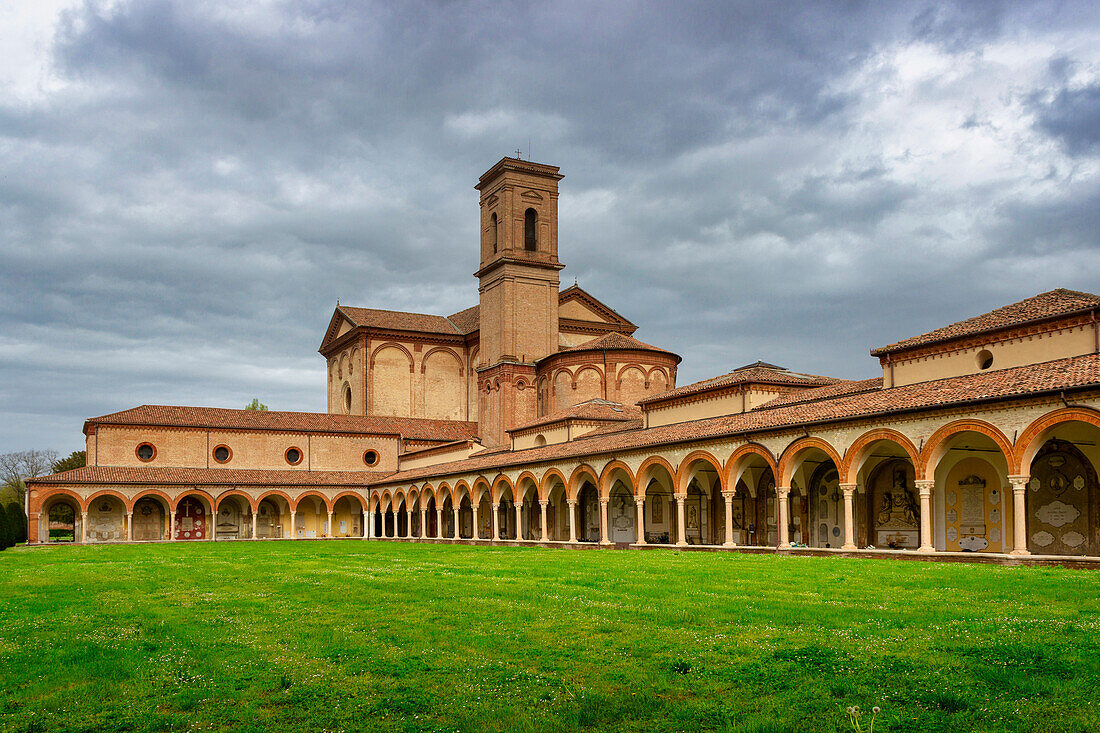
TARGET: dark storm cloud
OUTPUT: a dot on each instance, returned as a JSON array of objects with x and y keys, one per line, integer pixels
[{"x": 183, "y": 203}]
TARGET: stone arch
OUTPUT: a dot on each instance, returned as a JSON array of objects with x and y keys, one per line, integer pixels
[
  {"x": 111, "y": 492},
  {"x": 684, "y": 474},
  {"x": 738, "y": 460},
  {"x": 787, "y": 462},
  {"x": 607, "y": 478},
  {"x": 235, "y": 492},
  {"x": 1034, "y": 436},
  {"x": 856, "y": 454},
  {"x": 938, "y": 442}
]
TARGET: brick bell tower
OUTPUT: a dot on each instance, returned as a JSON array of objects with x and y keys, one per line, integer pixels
[{"x": 518, "y": 287}]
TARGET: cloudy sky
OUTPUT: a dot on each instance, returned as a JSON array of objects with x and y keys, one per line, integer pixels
[{"x": 187, "y": 188}]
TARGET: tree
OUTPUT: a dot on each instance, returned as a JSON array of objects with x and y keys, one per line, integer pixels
[
  {"x": 256, "y": 405},
  {"x": 76, "y": 459},
  {"x": 21, "y": 465}
]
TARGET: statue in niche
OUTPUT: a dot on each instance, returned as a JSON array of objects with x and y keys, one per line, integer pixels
[
  {"x": 898, "y": 504},
  {"x": 693, "y": 516}
]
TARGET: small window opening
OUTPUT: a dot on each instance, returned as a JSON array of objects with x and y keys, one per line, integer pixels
[
  {"x": 347, "y": 398},
  {"x": 985, "y": 359},
  {"x": 530, "y": 221},
  {"x": 146, "y": 452},
  {"x": 540, "y": 440},
  {"x": 293, "y": 456},
  {"x": 222, "y": 453},
  {"x": 370, "y": 458},
  {"x": 493, "y": 231}
]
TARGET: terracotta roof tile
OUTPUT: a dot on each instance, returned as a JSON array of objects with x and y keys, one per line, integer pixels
[
  {"x": 207, "y": 476},
  {"x": 616, "y": 341},
  {"x": 320, "y": 422},
  {"x": 398, "y": 320},
  {"x": 596, "y": 410},
  {"x": 758, "y": 373},
  {"x": 467, "y": 321},
  {"x": 1063, "y": 374},
  {"x": 1041, "y": 307}
]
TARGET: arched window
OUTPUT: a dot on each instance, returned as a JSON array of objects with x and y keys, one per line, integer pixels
[
  {"x": 493, "y": 231},
  {"x": 530, "y": 220}
]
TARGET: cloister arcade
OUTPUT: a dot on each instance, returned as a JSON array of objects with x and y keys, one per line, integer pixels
[
  {"x": 152, "y": 515},
  {"x": 967, "y": 488}
]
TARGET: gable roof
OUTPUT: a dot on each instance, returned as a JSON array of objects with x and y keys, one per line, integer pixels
[
  {"x": 398, "y": 320},
  {"x": 302, "y": 422},
  {"x": 576, "y": 292},
  {"x": 467, "y": 321},
  {"x": 759, "y": 372},
  {"x": 1044, "y": 306}
]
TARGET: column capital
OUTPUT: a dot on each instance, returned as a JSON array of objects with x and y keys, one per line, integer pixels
[
  {"x": 639, "y": 499},
  {"x": 680, "y": 497},
  {"x": 571, "y": 502},
  {"x": 542, "y": 503},
  {"x": 783, "y": 491},
  {"x": 925, "y": 486},
  {"x": 849, "y": 488},
  {"x": 1018, "y": 483},
  {"x": 729, "y": 494}
]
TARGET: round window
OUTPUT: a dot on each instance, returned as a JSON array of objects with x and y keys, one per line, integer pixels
[
  {"x": 347, "y": 398},
  {"x": 146, "y": 452},
  {"x": 222, "y": 454},
  {"x": 985, "y": 359},
  {"x": 370, "y": 458},
  {"x": 293, "y": 456}
]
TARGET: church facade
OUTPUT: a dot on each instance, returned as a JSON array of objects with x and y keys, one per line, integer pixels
[{"x": 535, "y": 416}]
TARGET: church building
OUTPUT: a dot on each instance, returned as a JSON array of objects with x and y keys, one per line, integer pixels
[{"x": 535, "y": 416}]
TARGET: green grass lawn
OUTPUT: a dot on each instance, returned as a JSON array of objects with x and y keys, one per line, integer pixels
[{"x": 377, "y": 636}]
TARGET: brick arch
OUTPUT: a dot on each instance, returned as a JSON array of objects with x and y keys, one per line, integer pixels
[
  {"x": 732, "y": 468},
  {"x": 235, "y": 492},
  {"x": 304, "y": 494},
  {"x": 445, "y": 350},
  {"x": 1031, "y": 440},
  {"x": 391, "y": 345},
  {"x": 385, "y": 499},
  {"x": 412, "y": 494},
  {"x": 517, "y": 493},
  {"x": 544, "y": 484},
  {"x": 153, "y": 492},
  {"x": 945, "y": 432},
  {"x": 352, "y": 494},
  {"x": 486, "y": 488},
  {"x": 604, "y": 484},
  {"x": 643, "y": 473},
  {"x": 194, "y": 492},
  {"x": 496, "y": 491},
  {"x": 81, "y": 505},
  {"x": 573, "y": 487},
  {"x": 456, "y": 496},
  {"x": 374, "y": 503},
  {"x": 663, "y": 372},
  {"x": 275, "y": 492},
  {"x": 442, "y": 493},
  {"x": 626, "y": 367},
  {"x": 683, "y": 472},
  {"x": 786, "y": 461},
  {"x": 587, "y": 368},
  {"x": 853, "y": 457},
  {"x": 111, "y": 492}
]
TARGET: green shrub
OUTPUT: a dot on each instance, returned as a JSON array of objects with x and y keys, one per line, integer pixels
[
  {"x": 5, "y": 529},
  {"x": 18, "y": 518}
]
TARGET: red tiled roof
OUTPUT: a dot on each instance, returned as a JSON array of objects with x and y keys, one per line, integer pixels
[
  {"x": 1053, "y": 376},
  {"x": 595, "y": 410},
  {"x": 1052, "y": 304},
  {"x": 813, "y": 394},
  {"x": 616, "y": 341},
  {"x": 307, "y": 422},
  {"x": 758, "y": 373},
  {"x": 398, "y": 320},
  {"x": 207, "y": 476},
  {"x": 467, "y": 321}
]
